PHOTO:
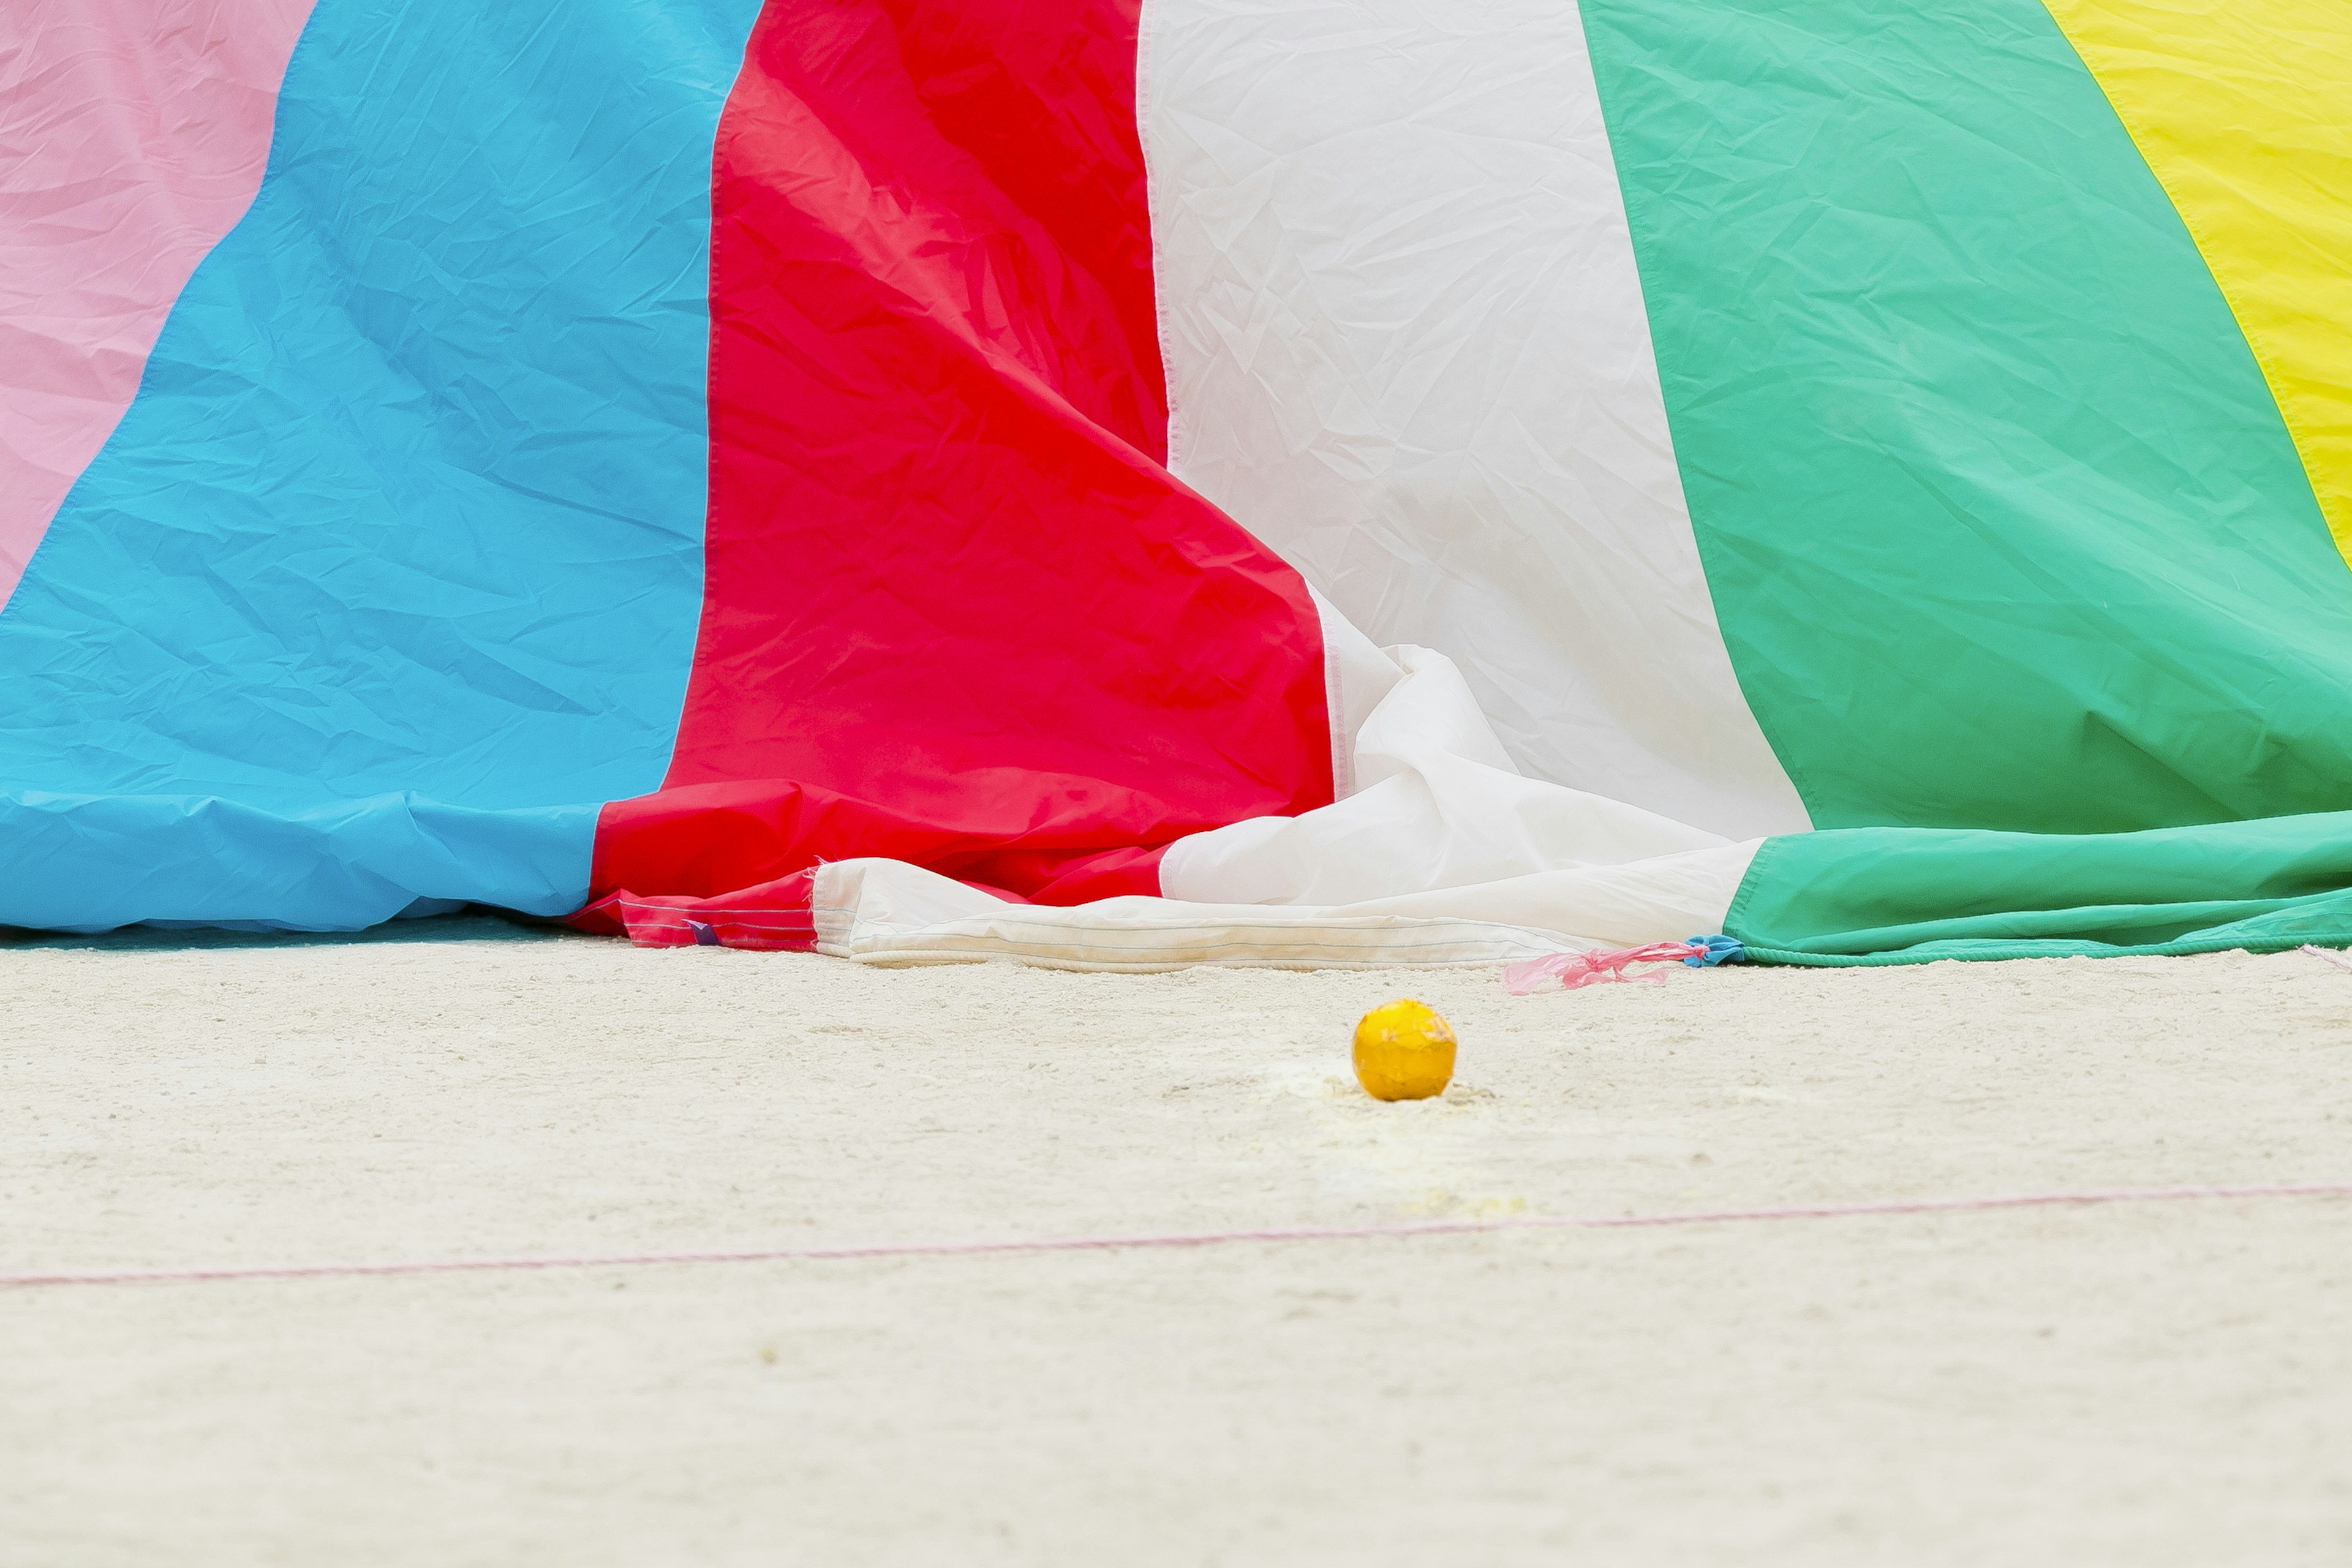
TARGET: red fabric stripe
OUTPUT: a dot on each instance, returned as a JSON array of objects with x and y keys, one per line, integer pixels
[{"x": 956, "y": 611}]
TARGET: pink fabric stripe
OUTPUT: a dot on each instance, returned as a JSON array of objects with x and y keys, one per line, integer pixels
[
  {"x": 132, "y": 137},
  {"x": 1777, "y": 1211}
]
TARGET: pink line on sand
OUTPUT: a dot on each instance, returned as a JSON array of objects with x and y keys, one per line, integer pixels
[
  {"x": 133, "y": 134},
  {"x": 1178, "y": 1238}
]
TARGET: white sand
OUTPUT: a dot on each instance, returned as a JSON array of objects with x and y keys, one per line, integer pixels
[{"x": 2156, "y": 1385}]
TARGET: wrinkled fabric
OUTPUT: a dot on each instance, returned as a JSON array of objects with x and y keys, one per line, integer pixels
[
  {"x": 916, "y": 479},
  {"x": 955, "y": 610},
  {"x": 133, "y": 134},
  {"x": 1406, "y": 347},
  {"x": 405, "y": 523},
  {"x": 2239, "y": 106},
  {"x": 2003, "y": 524},
  {"x": 1878, "y": 895}
]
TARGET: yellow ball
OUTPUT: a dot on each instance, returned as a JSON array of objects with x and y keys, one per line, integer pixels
[{"x": 1404, "y": 1051}]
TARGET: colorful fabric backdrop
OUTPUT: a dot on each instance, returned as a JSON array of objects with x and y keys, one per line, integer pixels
[{"x": 1269, "y": 484}]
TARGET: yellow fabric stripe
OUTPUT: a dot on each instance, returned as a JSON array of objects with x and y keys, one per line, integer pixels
[{"x": 2244, "y": 108}]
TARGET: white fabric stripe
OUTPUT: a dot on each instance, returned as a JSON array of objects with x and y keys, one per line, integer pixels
[
  {"x": 1406, "y": 347},
  {"x": 887, "y": 911}
]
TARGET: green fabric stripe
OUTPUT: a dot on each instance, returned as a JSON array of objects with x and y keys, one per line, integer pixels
[
  {"x": 2001, "y": 522},
  {"x": 1908, "y": 895}
]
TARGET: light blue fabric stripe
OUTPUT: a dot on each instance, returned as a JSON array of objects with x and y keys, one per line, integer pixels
[{"x": 390, "y": 574}]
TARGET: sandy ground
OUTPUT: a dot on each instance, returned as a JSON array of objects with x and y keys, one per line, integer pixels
[{"x": 2155, "y": 1384}]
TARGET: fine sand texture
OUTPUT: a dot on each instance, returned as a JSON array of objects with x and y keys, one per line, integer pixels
[{"x": 2151, "y": 1384}]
